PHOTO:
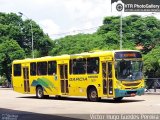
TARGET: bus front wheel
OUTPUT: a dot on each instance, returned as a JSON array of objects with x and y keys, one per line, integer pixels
[
  {"x": 92, "y": 95},
  {"x": 39, "y": 92}
]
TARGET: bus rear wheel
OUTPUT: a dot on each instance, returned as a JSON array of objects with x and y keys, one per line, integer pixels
[
  {"x": 92, "y": 95},
  {"x": 118, "y": 99},
  {"x": 39, "y": 92}
]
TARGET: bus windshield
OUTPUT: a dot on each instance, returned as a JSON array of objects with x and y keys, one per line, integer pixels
[{"x": 129, "y": 70}]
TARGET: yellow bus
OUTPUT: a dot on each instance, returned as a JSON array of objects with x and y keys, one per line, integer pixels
[{"x": 95, "y": 75}]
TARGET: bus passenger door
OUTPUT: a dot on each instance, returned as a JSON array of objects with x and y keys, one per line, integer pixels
[
  {"x": 26, "y": 79},
  {"x": 107, "y": 78},
  {"x": 64, "y": 78}
]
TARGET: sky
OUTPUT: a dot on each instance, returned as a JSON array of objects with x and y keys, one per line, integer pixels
[{"x": 59, "y": 18}]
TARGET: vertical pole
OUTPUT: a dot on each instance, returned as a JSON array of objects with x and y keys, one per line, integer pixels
[
  {"x": 121, "y": 31},
  {"x": 32, "y": 40},
  {"x": 155, "y": 85}
]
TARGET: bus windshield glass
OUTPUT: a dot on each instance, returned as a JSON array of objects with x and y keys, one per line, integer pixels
[
  {"x": 129, "y": 70},
  {"x": 128, "y": 65}
]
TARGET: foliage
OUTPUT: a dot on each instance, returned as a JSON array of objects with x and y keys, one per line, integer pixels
[
  {"x": 152, "y": 63},
  {"x": 13, "y": 27},
  {"x": 137, "y": 31},
  {"x": 2, "y": 81},
  {"x": 9, "y": 51}
]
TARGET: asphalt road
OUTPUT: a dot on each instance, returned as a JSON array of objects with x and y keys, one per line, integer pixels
[{"x": 24, "y": 106}]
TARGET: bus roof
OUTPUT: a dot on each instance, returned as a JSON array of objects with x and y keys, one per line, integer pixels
[{"x": 72, "y": 56}]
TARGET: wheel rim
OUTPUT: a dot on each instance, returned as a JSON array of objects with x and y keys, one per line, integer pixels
[
  {"x": 40, "y": 92},
  {"x": 93, "y": 94}
]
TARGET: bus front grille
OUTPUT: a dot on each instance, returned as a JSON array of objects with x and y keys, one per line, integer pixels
[
  {"x": 131, "y": 84},
  {"x": 131, "y": 88}
]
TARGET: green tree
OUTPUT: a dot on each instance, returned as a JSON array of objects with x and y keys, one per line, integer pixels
[
  {"x": 9, "y": 51},
  {"x": 13, "y": 27},
  {"x": 152, "y": 63},
  {"x": 142, "y": 31}
]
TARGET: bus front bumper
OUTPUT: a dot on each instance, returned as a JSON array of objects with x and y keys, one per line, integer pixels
[{"x": 128, "y": 93}]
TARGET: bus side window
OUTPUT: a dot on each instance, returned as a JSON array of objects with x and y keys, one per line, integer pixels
[
  {"x": 93, "y": 65},
  {"x": 42, "y": 68},
  {"x": 17, "y": 69},
  {"x": 78, "y": 66},
  {"x": 33, "y": 67},
  {"x": 52, "y": 67}
]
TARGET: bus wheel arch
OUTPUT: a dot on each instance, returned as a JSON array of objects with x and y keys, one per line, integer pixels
[
  {"x": 92, "y": 94},
  {"x": 39, "y": 92}
]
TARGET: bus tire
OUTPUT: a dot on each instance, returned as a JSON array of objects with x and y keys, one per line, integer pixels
[
  {"x": 118, "y": 99},
  {"x": 93, "y": 95},
  {"x": 39, "y": 92}
]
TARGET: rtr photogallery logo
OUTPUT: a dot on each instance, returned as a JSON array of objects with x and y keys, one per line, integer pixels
[
  {"x": 9, "y": 117},
  {"x": 119, "y": 7}
]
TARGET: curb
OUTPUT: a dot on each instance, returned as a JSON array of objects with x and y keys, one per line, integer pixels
[
  {"x": 152, "y": 93},
  {"x": 6, "y": 88}
]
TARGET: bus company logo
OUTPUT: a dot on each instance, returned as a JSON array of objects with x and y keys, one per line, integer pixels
[
  {"x": 119, "y": 7},
  {"x": 135, "y": 5},
  {"x": 78, "y": 79}
]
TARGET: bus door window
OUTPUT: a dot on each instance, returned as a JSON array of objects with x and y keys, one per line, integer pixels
[
  {"x": 110, "y": 80},
  {"x": 107, "y": 78},
  {"x": 64, "y": 79},
  {"x": 61, "y": 72},
  {"x": 26, "y": 79},
  {"x": 104, "y": 74}
]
